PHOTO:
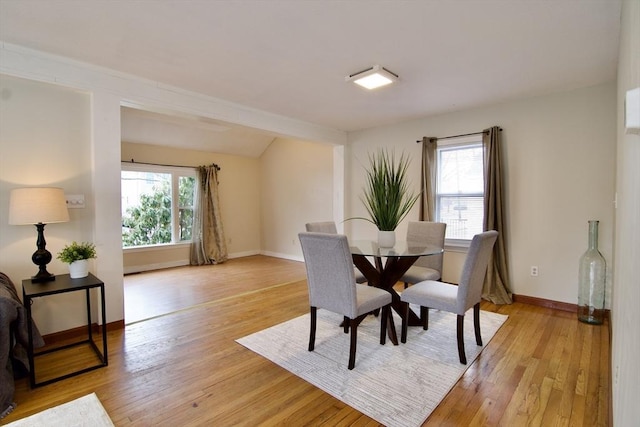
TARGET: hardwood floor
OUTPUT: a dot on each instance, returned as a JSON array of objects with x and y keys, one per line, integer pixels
[
  {"x": 542, "y": 368},
  {"x": 159, "y": 292}
]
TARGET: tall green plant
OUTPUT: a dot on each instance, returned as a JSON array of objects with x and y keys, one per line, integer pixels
[{"x": 387, "y": 197}]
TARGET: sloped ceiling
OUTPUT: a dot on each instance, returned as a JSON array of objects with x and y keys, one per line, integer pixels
[{"x": 195, "y": 133}]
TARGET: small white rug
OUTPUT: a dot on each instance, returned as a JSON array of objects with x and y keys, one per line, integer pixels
[
  {"x": 395, "y": 385},
  {"x": 86, "y": 411}
]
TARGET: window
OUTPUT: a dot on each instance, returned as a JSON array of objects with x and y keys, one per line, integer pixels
[
  {"x": 460, "y": 188},
  {"x": 157, "y": 204}
]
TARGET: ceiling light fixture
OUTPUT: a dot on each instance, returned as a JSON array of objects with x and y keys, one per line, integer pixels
[{"x": 373, "y": 77}]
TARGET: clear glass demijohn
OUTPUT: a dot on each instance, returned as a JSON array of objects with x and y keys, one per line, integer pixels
[{"x": 591, "y": 281}]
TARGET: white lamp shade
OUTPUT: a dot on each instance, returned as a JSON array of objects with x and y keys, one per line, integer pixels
[{"x": 37, "y": 204}]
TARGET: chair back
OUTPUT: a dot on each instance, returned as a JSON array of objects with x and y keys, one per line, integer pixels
[
  {"x": 474, "y": 270},
  {"x": 330, "y": 276},
  {"x": 430, "y": 233},
  {"x": 322, "y": 227}
]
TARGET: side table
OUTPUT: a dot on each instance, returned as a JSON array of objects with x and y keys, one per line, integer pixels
[{"x": 63, "y": 284}]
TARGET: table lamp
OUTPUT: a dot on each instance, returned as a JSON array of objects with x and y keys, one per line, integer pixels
[{"x": 38, "y": 206}]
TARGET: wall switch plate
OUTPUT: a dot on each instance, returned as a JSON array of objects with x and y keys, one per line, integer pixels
[
  {"x": 632, "y": 111},
  {"x": 75, "y": 201}
]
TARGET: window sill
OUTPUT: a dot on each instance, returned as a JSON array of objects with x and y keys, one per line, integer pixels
[
  {"x": 154, "y": 248},
  {"x": 461, "y": 246}
]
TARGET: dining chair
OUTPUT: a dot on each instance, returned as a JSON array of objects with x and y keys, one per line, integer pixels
[
  {"x": 332, "y": 286},
  {"x": 330, "y": 228},
  {"x": 454, "y": 299},
  {"x": 426, "y": 267}
]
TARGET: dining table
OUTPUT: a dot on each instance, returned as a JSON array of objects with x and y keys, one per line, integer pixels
[{"x": 398, "y": 259}]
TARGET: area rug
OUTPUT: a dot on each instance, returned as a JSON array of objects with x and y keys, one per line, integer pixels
[
  {"x": 395, "y": 385},
  {"x": 86, "y": 411}
]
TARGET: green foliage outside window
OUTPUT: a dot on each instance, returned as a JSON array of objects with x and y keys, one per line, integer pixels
[
  {"x": 186, "y": 188},
  {"x": 149, "y": 222}
]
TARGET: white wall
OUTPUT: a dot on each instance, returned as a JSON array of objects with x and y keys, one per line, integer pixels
[
  {"x": 626, "y": 291},
  {"x": 45, "y": 134},
  {"x": 296, "y": 188},
  {"x": 559, "y": 166}
]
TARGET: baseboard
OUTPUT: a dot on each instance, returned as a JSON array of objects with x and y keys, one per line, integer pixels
[
  {"x": 541, "y": 302},
  {"x": 156, "y": 266},
  {"x": 557, "y": 305},
  {"x": 181, "y": 263},
  {"x": 283, "y": 256},
  {"x": 79, "y": 332},
  {"x": 243, "y": 254}
]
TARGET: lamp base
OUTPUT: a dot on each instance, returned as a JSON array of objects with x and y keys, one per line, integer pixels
[
  {"x": 43, "y": 277},
  {"x": 41, "y": 257}
]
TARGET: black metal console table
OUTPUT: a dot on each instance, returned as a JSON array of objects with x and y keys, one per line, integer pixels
[{"x": 63, "y": 284}]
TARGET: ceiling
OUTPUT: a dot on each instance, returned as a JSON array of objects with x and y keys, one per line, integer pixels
[{"x": 291, "y": 57}]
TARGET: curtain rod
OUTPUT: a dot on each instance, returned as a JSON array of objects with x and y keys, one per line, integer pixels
[
  {"x": 171, "y": 166},
  {"x": 458, "y": 136}
]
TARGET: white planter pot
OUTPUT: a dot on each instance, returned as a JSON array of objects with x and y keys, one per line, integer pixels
[
  {"x": 79, "y": 269},
  {"x": 386, "y": 239}
]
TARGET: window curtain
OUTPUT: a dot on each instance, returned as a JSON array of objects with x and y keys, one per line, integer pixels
[
  {"x": 428, "y": 180},
  {"x": 496, "y": 283},
  {"x": 208, "y": 244}
]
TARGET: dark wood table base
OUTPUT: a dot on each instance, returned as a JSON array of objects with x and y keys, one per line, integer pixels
[{"x": 385, "y": 277}]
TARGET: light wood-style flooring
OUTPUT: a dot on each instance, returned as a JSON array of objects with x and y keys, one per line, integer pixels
[{"x": 543, "y": 367}]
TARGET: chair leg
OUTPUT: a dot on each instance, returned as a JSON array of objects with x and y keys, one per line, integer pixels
[
  {"x": 460, "y": 329},
  {"x": 406, "y": 285},
  {"x": 476, "y": 323},
  {"x": 383, "y": 324},
  {"x": 424, "y": 317},
  {"x": 345, "y": 323},
  {"x": 354, "y": 338},
  {"x": 405, "y": 322},
  {"x": 312, "y": 330}
]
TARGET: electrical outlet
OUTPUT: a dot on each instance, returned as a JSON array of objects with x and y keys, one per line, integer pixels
[{"x": 534, "y": 270}]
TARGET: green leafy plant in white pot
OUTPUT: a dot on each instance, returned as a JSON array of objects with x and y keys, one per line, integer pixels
[
  {"x": 77, "y": 255},
  {"x": 387, "y": 196}
]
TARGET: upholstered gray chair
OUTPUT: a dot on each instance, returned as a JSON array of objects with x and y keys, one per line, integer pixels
[
  {"x": 332, "y": 286},
  {"x": 426, "y": 267},
  {"x": 452, "y": 298},
  {"x": 330, "y": 228}
]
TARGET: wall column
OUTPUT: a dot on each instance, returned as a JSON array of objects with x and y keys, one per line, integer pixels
[{"x": 105, "y": 140}]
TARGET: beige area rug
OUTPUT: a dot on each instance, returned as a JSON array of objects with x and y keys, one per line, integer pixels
[
  {"x": 395, "y": 385},
  {"x": 86, "y": 411}
]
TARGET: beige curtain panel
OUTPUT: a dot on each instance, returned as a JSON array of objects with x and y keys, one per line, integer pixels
[
  {"x": 428, "y": 179},
  {"x": 496, "y": 283},
  {"x": 209, "y": 244}
]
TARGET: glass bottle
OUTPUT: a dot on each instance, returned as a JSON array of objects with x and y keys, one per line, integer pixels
[{"x": 591, "y": 281}]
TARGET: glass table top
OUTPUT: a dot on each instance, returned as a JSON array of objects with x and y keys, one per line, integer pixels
[{"x": 400, "y": 249}]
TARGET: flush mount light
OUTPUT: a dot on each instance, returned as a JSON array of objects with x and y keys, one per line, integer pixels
[{"x": 373, "y": 77}]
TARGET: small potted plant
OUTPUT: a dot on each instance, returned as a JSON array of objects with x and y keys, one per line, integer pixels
[
  {"x": 387, "y": 196},
  {"x": 77, "y": 255}
]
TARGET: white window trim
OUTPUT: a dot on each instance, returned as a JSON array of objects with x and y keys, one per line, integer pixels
[
  {"x": 176, "y": 172},
  {"x": 458, "y": 245},
  {"x": 155, "y": 248}
]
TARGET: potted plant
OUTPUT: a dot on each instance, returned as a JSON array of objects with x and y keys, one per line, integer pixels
[
  {"x": 387, "y": 197},
  {"x": 77, "y": 256}
]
